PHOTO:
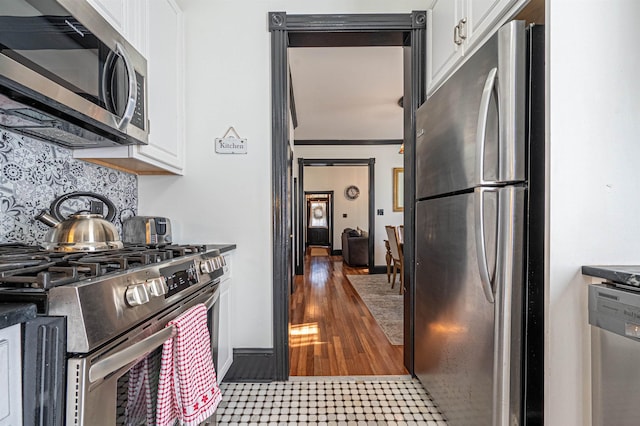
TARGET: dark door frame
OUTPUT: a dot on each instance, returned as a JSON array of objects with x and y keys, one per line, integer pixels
[
  {"x": 329, "y": 198},
  {"x": 408, "y": 30},
  {"x": 370, "y": 162}
]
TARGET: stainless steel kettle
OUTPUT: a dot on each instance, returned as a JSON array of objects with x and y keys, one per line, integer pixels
[{"x": 81, "y": 231}]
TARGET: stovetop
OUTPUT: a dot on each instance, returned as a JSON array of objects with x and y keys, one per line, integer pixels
[
  {"x": 104, "y": 294},
  {"x": 23, "y": 266}
]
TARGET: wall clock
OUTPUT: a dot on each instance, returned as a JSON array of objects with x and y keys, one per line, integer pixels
[{"x": 352, "y": 192}]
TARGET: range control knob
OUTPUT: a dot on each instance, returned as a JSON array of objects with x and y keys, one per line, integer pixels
[
  {"x": 223, "y": 261},
  {"x": 207, "y": 266},
  {"x": 137, "y": 294},
  {"x": 157, "y": 286},
  {"x": 216, "y": 262}
]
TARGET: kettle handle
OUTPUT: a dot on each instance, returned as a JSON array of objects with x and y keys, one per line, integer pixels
[{"x": 55, "y": 205}]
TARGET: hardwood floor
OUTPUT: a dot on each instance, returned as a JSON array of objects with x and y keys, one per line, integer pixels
[{"x": 332, "y": 333}]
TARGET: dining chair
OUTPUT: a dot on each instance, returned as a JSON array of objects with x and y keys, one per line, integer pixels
[
  {"x": 401, "y": 234},
  {"x": 387, "y": 258},
  {"x": 396, "y": 255}
]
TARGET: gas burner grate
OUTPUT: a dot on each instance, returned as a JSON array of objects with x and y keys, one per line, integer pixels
[
  {"x": 25, "y": 266},
  {"x": 183, "y": 249},
  {"x": 43, "y": 276},
  {"x": 17, "y": 250}
]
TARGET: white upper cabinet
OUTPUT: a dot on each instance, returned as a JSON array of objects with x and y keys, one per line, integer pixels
[
  {"x": 456, "y": 27},
  {"x": 482, "y": 14},
  {"x": 442, "y": 26},
  {"x": 166, "y": 85},
  {"x": 156, "y": 29},
  {"x": 137, "y": 25},
  {"x": 114, "y": 11}
]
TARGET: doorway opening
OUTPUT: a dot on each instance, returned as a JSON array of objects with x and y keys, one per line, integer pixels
[
  {"x": 406, "y": 30},
  {"x": 319, "y": 219},
  {"x": 354, "y": 211},
  {"x": 343, "y": 320}
]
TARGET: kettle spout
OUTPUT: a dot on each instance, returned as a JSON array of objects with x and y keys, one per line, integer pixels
[{"x": 47, "y": 219}]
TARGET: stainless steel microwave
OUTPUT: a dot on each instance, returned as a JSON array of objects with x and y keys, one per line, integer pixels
[{"x": 68, "y": 77}]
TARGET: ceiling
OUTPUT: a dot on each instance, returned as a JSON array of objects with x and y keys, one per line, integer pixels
[{"x": 347, "y": 93}]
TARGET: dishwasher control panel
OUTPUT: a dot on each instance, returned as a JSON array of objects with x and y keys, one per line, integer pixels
[{"x": 615, "y": 309}]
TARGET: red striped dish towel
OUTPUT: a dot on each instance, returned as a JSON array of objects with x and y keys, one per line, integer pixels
[
  {"x": 188, "y": 390},
  {"x": 139, "y": 409}
]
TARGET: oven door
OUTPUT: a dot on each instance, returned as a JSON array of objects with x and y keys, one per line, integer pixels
[{"x": 118, "y": 385}]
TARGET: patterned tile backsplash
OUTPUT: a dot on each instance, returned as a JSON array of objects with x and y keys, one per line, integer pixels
[{"x": 34, "y": 173}]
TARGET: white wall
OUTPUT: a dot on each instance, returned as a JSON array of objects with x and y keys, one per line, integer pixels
[
  {"x": 386, "y": 158},
  {"x": 227, "y": 198},
  {"x": 337, "y": 178},
  {"x": 594, "y": 123}
]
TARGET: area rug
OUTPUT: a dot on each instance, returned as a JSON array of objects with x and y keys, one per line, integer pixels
[
  {"x": 319, "y": 251},
  {"x": 384, "y": 303}
]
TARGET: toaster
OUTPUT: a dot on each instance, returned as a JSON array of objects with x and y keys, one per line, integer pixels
[{"x": 146, "y": 230}]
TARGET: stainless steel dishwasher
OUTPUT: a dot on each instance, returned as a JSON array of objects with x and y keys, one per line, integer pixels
[{"x": 614, "y": 314}]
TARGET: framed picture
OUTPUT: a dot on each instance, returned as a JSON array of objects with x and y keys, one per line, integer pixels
[{"x": 398, "y": 189}]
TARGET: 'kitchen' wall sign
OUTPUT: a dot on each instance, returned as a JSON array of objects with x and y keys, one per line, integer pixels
[{"x": 231, "y": 143}]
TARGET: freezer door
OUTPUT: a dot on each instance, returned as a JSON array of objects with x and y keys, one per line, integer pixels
[
  {"x": 471, "y": 132},
  {"x": 467, "y": 326}
]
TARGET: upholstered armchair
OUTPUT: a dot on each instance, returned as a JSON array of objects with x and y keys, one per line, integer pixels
[{"x": 355, "y": 248}]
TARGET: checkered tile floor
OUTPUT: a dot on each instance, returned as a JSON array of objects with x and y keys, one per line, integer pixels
[{"x": 328, "y": 401}]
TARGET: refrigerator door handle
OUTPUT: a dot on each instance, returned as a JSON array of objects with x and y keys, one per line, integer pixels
[
  {"x": 483, "y": 118},
  {"x": 481, "y": 249}
]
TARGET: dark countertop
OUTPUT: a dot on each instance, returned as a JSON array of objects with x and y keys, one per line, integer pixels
[
  {"x": 15, "y": 313},
  {"x": 222, "y": 247},
  {"x": 623, "y": 274}
]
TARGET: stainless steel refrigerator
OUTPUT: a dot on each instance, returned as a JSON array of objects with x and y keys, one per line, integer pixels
[{"x": 480, "y": 235}]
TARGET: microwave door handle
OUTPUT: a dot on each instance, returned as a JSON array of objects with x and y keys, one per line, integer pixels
[
  {"x": 111, "y": 363},
  {"x": 133, "y": 88},
  {"x": 105, "y": 77}
]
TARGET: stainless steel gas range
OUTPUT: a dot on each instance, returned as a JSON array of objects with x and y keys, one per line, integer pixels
[{"x": 116, "y": 305}]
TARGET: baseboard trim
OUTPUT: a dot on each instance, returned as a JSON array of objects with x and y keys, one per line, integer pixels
[
  {"x": 252, "y": 365},
  {"x": 378, "y": 269},
  {"x": 336, "y": 252}
]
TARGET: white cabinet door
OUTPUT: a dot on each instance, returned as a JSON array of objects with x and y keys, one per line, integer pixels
[
  {"x": 114, "y": 11},
  {"x": 442, "y": 52},
  {"x": 165, "y": 62},
  {"x": 482, "y": 16},
  {"x": 475, "y": 20},
  {"x": 10, "y": 377},
  {"x": 137, "y": 25},
  {"x": 225, "y": 344},
  {"x": 129, "y": 18}
]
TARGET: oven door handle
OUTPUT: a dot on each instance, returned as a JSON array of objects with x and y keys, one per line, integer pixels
[
  {"x": 213, "y": 299},
  {"x": 111, "y": 363},
  {"x": 108, "y": 365}
]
